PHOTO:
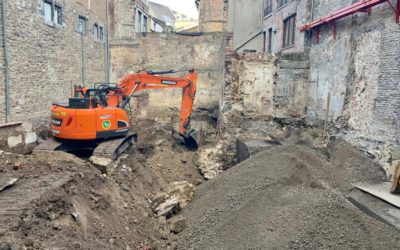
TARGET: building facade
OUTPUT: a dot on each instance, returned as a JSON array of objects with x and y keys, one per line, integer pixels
[
  {"x": 128, "y": 17},
  {"x": 51, "y": 45},
  {"x": 281, "y": 19}
]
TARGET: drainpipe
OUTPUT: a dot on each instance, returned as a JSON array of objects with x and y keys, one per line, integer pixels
[
  {"x": 6, "y": 69},
  {"x": 312, "y": 10},
  {"x": 106, "y": 49},
  {"x": 83, "y": 55}
]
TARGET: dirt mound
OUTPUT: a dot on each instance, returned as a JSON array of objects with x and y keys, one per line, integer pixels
[
  {"x": 287, "y": 197},
  {"x": 63, "y": 202}
]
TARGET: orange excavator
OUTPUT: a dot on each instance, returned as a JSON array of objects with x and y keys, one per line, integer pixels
[{"x": 96, "y": 118}]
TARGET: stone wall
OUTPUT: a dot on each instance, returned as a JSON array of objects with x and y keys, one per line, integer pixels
[
  {"x": 2, "y": 69},
  {"x": 361, "y": 71},
  {"x": 171, "y": 51},
  {"x": 45, "y": 60},
  {"x": 123, "y": 18},
  {"x": 213, "y": 15}
]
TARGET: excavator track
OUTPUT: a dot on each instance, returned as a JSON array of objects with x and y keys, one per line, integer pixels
[{"x": 111, "y": 148}]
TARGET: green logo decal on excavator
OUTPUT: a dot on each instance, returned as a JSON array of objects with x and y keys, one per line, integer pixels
[{"x": 106, "y": 124}]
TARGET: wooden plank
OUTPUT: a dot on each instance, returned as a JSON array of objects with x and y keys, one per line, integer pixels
[
  {"x": 6, "y": 125},
  {"x": 396, "y": 178},
  {"x": 382, "y": 191}
]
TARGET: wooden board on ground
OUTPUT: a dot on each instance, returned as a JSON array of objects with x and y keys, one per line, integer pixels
[{"x": 382, "y": 191}]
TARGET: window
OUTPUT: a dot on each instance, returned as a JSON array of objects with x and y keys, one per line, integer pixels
[
  {"x": 282, "y": 2},
  {"x": 144, "y": 23},
  {"x": 82, "y": 25},
  {"x": 270, "y": 40},
  {"x": 267, "y": 7},
  {"x": 139, "y": 22},
  {"x": 47, "y": 12},
  {"x": 52, "y": 13},
  {"x": 98, "y": 33},
  {"x": 101, "y": 33},
  {"x": 289, "y": 31}
]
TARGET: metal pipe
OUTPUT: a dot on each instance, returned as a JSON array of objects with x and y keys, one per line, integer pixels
[
  {"x": 107, "y": 48},
  {"x": 312, "y": 10},
  {"x": 6, "y": 69},
  {"x": 83, "y": 54}
]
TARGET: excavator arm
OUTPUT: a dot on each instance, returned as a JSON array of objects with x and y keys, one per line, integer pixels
[{"x": 134, "y": 83}]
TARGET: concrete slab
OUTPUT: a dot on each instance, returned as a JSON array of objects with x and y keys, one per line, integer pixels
[
  {"x": 6, "y": 182},
  {"x": 375, "y": 207},
  {"x": 249, "y": 147},
  {"x": 381, "y": 191}
]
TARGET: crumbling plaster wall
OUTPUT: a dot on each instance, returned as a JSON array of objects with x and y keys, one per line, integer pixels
[
  {"x": 156, "y": 51},
  {"x": 259, "y": 87},
  {"x": 265, "y": 85},
  {"x": 45, "y": 61},
  {"x": 361, "y": 71}
]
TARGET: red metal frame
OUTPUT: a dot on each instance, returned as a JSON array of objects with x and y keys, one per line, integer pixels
[{"x": 361, "y": 6}]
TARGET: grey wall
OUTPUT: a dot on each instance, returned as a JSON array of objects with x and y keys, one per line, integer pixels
[{"x": 245, "y": 21}]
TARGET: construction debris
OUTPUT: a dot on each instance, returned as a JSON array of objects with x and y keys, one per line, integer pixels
[{"x": 6, "y": 182}]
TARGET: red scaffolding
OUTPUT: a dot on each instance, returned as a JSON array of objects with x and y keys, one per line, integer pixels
[{"x": 360, "y": 6}]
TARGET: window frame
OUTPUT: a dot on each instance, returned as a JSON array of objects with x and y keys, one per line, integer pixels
[
  {"x": 268, "y": 8},
  {"x": 84, "y": 19},
  {"x": 281, "y": 3},
  {"x": 139, "y": 17},
  {"x": 270, "y": 40},
  {"x": 98, "y": 33},
  {"x": 56, "y": 18},
  {"x": 289, "y": 32},
  {"x": 145, "y": 20}
]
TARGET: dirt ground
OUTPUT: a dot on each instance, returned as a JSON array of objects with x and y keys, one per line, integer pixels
[
  {"x": 288, "y": 197},
  {"x": 63, "y": 202}
]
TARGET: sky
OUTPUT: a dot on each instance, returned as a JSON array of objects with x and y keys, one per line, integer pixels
[{"x": 187, "y": 7}]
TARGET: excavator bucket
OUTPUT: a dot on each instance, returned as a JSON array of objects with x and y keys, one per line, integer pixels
[{"x": 191, "y": 138}]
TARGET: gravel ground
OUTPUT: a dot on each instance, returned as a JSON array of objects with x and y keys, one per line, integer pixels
[{"x": 288, "y": 197}]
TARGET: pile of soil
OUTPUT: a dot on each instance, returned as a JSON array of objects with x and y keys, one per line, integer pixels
[
  {"x": 63, "y": 202},
  {"x": 288, "y": 197}
]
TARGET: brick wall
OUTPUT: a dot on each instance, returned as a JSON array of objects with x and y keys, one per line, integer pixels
[
  {"x": 45, "y": 61},
  {"x": 361, "y": 71},
  {"x": 170, "y": 51}
]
